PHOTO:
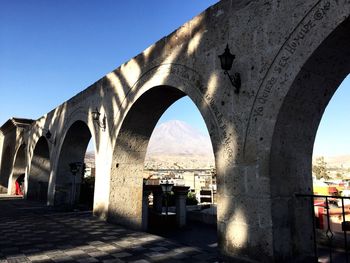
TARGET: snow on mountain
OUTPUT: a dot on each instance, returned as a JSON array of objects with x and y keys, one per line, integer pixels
[
  {"x": 175, "y": 143},
  {"x": 179, "y": 138}
]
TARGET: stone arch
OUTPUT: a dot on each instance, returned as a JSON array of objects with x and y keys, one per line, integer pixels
[
  {"x": 19, "y": 168},
  {"x": 72, "y": 150},
  {"x": 185, "y": 79},
  {"x": 59, "y": 135},
  {"x": 6, "y": 166},
  {"x": 39, "y": 171},
  {"x": 293, "y": 138},
  {"x": 126, "y": 188}
]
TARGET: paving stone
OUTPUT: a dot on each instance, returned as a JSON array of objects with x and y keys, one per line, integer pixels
[
  {"x": 62, "y": 259},
  {"x": 95, "y": 233},
  {"x": 108, "y": 248},
  {"x": 140, "y": 261},
  {"x": 30, "y": 251},
  {"x": 85, "y": 247},
  {"x": 5, "y": 242},
  {"x": 121, "y": 255},
  {"x": 97, "y": 254},
  {"x": 138, "y": 248},
  {"x": 158, "y": 249},
  {"x": 63, "y": 247},
  {"x": 53, "y": 254},
  {"x": 96, "y": 243},
  {"x": 47, "y": 245},
  {"x": 109, "y": 238},
  {"x": 39, "y": 257},
  {"x": 91, "y": 250},
  {"x": 124, "y": 244},
  {"x": 155, "y": 255},
  {"x": 18, "y": 258},
  {"x": 178, "y": 255},
  {"x": 115, "y": 260},
  {"x": 10, "y": 250},
  {"x": 74, "y": 252},
  {"x": 87, "y": 260},
  {"x": 43, "y": 241}
]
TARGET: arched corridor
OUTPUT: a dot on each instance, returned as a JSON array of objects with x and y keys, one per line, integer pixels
[
  {"x": 71, "y": 167},
  {"x": 290, "y": 57},
  {"x": 16, "y": 179},
  {"x": 129, "y": 155},
  {"x": 304, "y": 104}
]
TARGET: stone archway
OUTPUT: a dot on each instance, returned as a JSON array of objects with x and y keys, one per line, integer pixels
[
  {"x": 293, "y": 140},
  {"x": 126, "y": 188},
  {"x": 19, "y": 169},
  {"x": 39, "y": 173},
  {"x": 291, "y": 56},
  {"x": 67, "y": 186}
]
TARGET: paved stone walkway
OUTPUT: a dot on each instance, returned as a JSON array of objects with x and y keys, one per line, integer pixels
[{"x": 31, "y": 232}]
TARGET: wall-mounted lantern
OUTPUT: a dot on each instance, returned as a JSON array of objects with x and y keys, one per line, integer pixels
[
  {"x": 75, "y": 167},
  {"x": 166, "y": 188},
  {"x": 226, "y": 60},
  {"x": 49, "y": 138},
  {"x": 96, "y": 118}
]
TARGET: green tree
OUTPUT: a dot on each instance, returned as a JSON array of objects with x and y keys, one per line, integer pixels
[
  {"x": 320, "y": 168},
  {"x": 339, "y": 175}
]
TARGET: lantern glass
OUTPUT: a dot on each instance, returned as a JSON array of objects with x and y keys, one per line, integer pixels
[
  {"x": 96, "y": 115},
  {"x": 74, "y": 167},
  {"x": 166, "y": 187},
  {"x": 48, "y": 135},
  {"x": 226, "y": 59}
]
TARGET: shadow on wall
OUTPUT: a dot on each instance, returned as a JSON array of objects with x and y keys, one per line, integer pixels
[
  {"x": 142, "y": 114},
  {"x": 73, "y": 151},
  {"x": 117, "y": 98},
  {"x": 38, "y": 177},
  {"x": 301, "y": 112},
  {"x": 131, "y": 146},
  {"x": 6, "y": 167},
  {"x": 117, "y": 92}
]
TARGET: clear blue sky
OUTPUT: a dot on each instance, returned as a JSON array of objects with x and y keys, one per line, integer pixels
[
  {"x": 333, "y": 134},
  {"x": 185, "y": 110},
  {"x": 51, "y": 50}
]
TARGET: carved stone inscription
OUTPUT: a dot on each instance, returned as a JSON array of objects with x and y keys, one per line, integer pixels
[
  {"x": 284, "y": 57},
  {"x": 223, "y": 126}
]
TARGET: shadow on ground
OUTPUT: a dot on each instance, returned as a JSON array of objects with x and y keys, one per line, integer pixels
[{"x": 33, "y": 232}]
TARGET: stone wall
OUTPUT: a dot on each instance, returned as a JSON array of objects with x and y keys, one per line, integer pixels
[{"x": 291, "y": 56}]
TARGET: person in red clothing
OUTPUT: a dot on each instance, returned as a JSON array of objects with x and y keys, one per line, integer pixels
[{"x": 19, "y": 184}]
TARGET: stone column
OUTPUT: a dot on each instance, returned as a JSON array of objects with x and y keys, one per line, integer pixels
[
  {"x": 146, "y": 192},
  {"x": 180, "y": 200}
]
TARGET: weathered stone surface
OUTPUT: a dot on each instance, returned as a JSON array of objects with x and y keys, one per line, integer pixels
[{"x": 291, "y": 55}]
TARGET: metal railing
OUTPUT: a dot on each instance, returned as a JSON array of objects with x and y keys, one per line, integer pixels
[{"x": 345, "y": 225}]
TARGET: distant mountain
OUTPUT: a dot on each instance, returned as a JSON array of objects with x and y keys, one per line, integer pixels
[
  {"x": 175, "y": 144},
  {"x": 178, "y": 138}
]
